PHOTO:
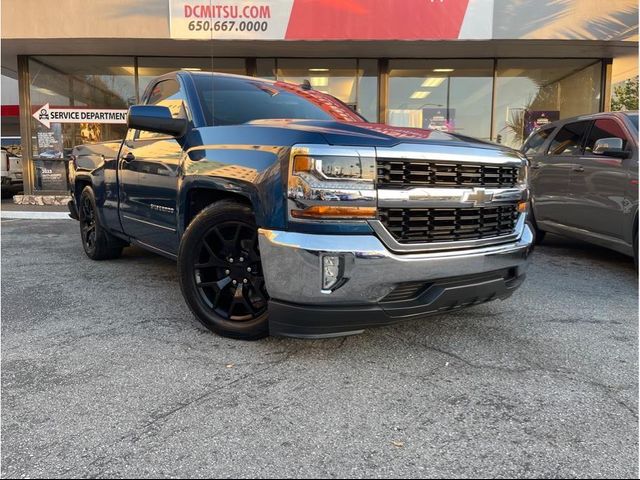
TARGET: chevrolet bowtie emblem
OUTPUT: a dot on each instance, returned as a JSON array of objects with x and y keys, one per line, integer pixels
[{"x": 479, "y": 197}]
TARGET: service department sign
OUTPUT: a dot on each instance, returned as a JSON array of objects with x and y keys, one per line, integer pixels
[{"x": 47, "y": 115}]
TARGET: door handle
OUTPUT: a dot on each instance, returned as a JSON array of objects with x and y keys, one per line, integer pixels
[
  {"x": 578, "y": 169},
  {"x": 129, "y": 157}
]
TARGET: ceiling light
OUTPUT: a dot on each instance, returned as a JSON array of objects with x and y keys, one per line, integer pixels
[
  {"x": 318, "y": 69},
  {"x": 443, "y": 70},
  {"x": 319, "y": 81},
  {"x": 46, "y": 91},
  {"x": 420, "y": 94},
  {"x": 433, "y": 82},
  {"x": 192, "y": 69}
]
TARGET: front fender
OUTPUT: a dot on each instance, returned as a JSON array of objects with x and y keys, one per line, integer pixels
[{"x": 251, "y": 171}]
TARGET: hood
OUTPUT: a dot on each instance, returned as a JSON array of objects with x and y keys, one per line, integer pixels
[{"x": 374, "y": 134}]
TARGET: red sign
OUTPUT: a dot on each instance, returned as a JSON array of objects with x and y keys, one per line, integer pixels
[
  {"x": 328, "y": 19},
  {"x": 376, "y": 19}
]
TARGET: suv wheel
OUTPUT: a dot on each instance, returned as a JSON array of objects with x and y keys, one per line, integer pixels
[
  {"x": 221, "y": 274},
  {"x": 97, "y": 242}
]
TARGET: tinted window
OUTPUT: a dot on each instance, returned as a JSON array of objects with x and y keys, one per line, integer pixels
[
  {"x": 568, "y": 141},
  {"x": 536, "y": 142},
  {"x": 233, "y": 101},
  {"x": 166, "y": 93},
  {"x": 604, "y": 128}
]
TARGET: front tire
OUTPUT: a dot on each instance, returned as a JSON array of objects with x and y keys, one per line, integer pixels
[
  {"x": 98, "y": 244},
  {"x": 221, "y": 274}
]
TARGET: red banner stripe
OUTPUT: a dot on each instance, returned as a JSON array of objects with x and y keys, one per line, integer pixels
[{"x": 376, "y": 19}]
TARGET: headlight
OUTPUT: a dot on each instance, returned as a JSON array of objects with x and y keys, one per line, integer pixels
[{"x": 331, "y": 183}]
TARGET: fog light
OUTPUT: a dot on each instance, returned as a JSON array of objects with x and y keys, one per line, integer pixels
[{"x": 331, "y": 271}]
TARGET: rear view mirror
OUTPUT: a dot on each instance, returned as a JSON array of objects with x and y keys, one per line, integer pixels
[
  {"x": 155, "y": 118},
  {"x": 610, "y": 147}
]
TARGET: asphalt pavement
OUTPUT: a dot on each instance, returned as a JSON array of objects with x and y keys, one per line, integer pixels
[{"x": 105, "y": 373}]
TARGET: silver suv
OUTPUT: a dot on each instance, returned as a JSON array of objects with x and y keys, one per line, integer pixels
[{"x": 584, "y": 179}]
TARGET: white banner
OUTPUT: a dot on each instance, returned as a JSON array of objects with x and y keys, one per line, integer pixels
[
  {"x": 47, "y": 115},
  {"x": 229, "y": 19}
]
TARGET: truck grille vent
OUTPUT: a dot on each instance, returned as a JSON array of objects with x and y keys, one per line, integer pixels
[
  {"x": 421, "y": 173},
  {"x": 406, "y": 291},
  {"x": 426, "y": 225}
]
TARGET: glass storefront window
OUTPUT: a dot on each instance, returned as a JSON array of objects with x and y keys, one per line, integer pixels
[
  {"x": 10, "y": 126},
  {"x": 342, "y": 78},
  {"x": 75, "y": 82},
  {"x": 533, "y": 92},
  {"x": 447, "y": 95},
  {"x": 466, "y": 96},
  {"x": 151, "y": 67}
]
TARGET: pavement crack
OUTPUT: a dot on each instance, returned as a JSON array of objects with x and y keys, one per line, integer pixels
[{"x": 139, "y": 433}]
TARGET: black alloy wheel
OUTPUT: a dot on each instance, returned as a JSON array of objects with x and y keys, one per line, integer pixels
[
  {"x": 220, "y": 272},
  {"x": 97, "y": 242},
  {"x": 87, "y": 224},
  {"x": 228, "y": 273}
]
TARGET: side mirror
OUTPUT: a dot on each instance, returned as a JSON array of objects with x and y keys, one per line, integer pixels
[
  {"x": 155, "y": 118},
  {"x": 610, "y": 147}
]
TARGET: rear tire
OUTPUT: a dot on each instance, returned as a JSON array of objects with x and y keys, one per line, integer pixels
[
  {"x": 98, "y": 244},
  {"x": 221, "y": 274}
]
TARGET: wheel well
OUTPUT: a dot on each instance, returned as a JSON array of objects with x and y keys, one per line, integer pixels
[
  {"x": 200, "y": 198},
  {"x": 80, "y": 184}
]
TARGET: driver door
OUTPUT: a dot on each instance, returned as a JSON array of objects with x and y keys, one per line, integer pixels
[{"x": 149, "y": 165}]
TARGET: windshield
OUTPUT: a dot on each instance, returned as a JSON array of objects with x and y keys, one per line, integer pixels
[
  {"x": 634, "y": 119},
  {"x": 233, "y": 101}
]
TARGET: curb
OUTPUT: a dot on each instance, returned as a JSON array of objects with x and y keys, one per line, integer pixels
[{"x": 35, "y": 215}]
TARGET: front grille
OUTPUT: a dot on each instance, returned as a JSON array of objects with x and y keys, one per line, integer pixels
[
  {"x": 427, "y": 225},
  {"x": 428, "y": 173}
]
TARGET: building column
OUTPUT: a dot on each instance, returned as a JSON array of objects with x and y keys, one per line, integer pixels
[
  {"x": 383, "y": 89},
  {"x": 28, "y": 171},
  {"x": 607, "y": 69}
]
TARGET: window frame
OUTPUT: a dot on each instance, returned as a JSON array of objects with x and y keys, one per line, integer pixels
[
  {"x": 553, "y": 129},
  {"x": 620, "y": 125},
  {"x": 147, "y": 98},
  {"x": 561, "y": 127}
]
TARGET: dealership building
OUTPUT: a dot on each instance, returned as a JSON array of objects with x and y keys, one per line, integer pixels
[{"x": 492, "y": 69}]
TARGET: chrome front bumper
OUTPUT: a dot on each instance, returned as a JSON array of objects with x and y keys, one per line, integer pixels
[{"x": 292, "y": 268}]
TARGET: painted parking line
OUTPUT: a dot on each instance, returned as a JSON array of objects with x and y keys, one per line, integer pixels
[{"x": 35, "y": 215}]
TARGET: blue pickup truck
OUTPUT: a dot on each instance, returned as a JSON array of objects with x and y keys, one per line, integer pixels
[{"x": 290, "y": 214}]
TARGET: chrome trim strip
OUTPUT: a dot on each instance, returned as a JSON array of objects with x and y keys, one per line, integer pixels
[
  {"x": 451, "y": 153},
  {"x": 149, "y": 223},
  {"x": 449, "y": 197},
  {"x": 311, "y": 149},
  {"x": 146, "y": 245},
  {"x": 395, "y": 246}
]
